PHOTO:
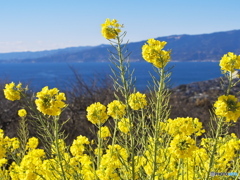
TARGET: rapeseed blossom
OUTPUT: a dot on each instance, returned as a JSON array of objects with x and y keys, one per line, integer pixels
[
  {"x": 137, "y": 101},
  {"x": 3, "y": 161},
  {"x": 78, "y": 146},
  {"x": 32, "y": 143},
  {"x": 104, "y": 131},
  {"x": 58, "y": 147},
  {"x": 14, "y": 143},
  {"x": 116, "y": 109},
  {"x": 112, "y": 162},
  {"x": 22, "y": 112},
  {"x": 152, "y": 52},
  {"x": 124, "y": 125},
  {"x": 183, "y": 126},
  {"x": 228, "y": 106},
  {"x": 182, "y": 146},
  {"x": 50, "y": 101},
  {"x": 30, "y": 166},
  {"x": 12, "y": 92},
  {"x": 3, "y": 145},
  {"x": 226, "y": 151},
  {"x": 111, "y": 29},
  {"x": 230, "y": 62},
  {"x": 96, "y": 113}
]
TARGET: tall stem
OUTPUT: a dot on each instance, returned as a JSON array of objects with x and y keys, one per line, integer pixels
[
  {"x": 114, "y": 132},
  {"x": 126, "y": 92},
  {"x": 219, "y": 127},
  {"x": 56, "y": 143},
  {"x": 125, "y": 87},
  {"x": 229, "y": 83},
  {"x": 159, "y": 109},
  {"x": 99, "y": 146}
]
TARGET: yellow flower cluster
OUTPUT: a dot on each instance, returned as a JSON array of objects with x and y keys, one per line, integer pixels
[
  {"x": 230, "y": 62},
  {"x": 183, "y": 126},
  {"x": 60, "y": 148},
  {"x": 78, "y": 145},
  {"x": 30, "y": 166},
  {"x": 180, "y": 149},
  {"x": 227, "y": 107},
  {"x": 124, "y": 125},
  {"x": 104, "y": 131},
  {"x": 181, "y": 154},
  {"x": 182, "y": 146},
  {"x": 32, "y": 143},
  {"x": 22, "y": 113},
  {"x": 35, "y": 165},
  {"x": 152, "y": 52},
  {"x": 226, "y": 151},
  {"x": 111, "y": 29},
  {"x": 12, "y": 92},
  {"x": 96, "y": 113},
  {"x": 137, "y": 101},
  {"x": 116, "y": 109},
  {"x": 7, "y": 147},
  {"x": 112, "y": 162},
  {"x": 50, "y": 101}
]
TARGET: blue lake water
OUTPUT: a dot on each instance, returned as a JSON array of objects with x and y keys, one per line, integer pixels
[{"x": 38, "y": 75}]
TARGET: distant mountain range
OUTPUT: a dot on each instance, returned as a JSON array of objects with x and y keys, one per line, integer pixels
[{"x": 203, "y": 47}]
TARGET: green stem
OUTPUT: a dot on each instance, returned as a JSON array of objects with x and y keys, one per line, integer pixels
[
  {"x": 159, "y": 109},
  {"x": 122, "y": 72},
  {"x": 126, "y": 93},
  {"x": 56, "y": 142},
  {"x": 214, "y": 148},
  {"x": 144, "y": 135},
  {"x": 23, "y": 135},
  {"x": 229, "y": 83},
  {"x": 114, "y": 132},
  {"x": 99, "y": 146}
]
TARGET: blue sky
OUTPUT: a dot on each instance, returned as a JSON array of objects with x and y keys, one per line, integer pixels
[{"x": 33, "y": 25}]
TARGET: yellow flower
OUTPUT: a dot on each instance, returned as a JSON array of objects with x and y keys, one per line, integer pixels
[
  {"x": 3, "y": 161},
  {"x": 13, "y": 92},
  {"x": 115, "y": 158},
  {"x": 183, "y": 126},
  {"x": 200, "y": 156},
  {"x": 152, "y": 52},
  {"x": 96, "y": 113},
  {"x": 116, "y": 109},
  {"x": 137, "y": 101},
  {"x": 58, "y": 147},
  {"x": 50, "y": 101},
  {"x": 32, "y": 143},
  {"x": 111, "y": 29},
  {"x": 182, "y": 146},
  {"x": 78, "y": 147},
  {"x": 22, "y": 112},
  {"x": 228, "y": 107},
  {"x": 30, "y": 166},
  {"x": 14, "y": 143},
  {"x": 230, "y": 62},
  {"x": 124, "y": 125},
  {"x": 104, "y": 132}
]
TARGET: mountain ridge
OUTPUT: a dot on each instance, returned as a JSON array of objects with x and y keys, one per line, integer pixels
[{"x": 200, "y": 47}]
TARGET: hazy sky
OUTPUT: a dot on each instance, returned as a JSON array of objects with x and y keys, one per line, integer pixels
[{"x": 33, "y": 25}]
